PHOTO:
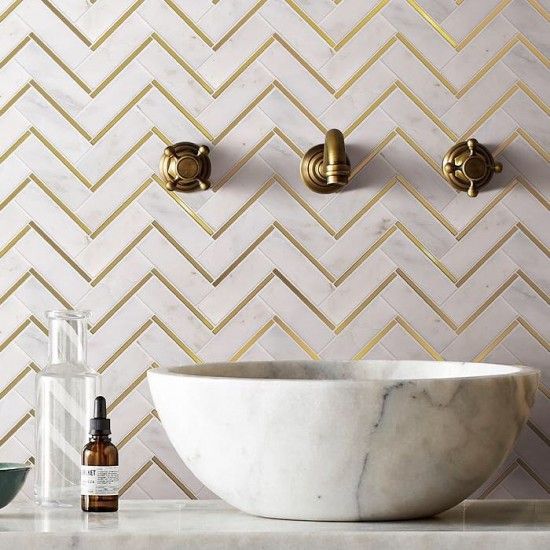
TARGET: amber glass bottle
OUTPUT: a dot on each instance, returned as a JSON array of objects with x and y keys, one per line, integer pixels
[{"x": 99, "y": 476}]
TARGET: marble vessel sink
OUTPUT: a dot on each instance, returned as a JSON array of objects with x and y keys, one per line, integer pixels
[{"x": 343, "y": 441}]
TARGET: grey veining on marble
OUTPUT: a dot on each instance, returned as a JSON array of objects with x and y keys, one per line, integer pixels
[
  {"x": 209, "y": 525},
  {"x": 343, "y": 441}
]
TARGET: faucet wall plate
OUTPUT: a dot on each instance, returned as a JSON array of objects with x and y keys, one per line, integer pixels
[
  {"x": 325, "y": 168},
  {"x": 185, "y": 166},
  {"x": 469, "y": 165}
]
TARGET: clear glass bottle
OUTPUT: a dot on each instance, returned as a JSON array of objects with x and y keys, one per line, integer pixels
[{"x": 65, "y": 393}]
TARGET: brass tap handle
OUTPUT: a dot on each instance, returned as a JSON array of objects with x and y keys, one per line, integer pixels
[
  {"x": 469, "y": 165},
  {"x": 185, "y": 166}
]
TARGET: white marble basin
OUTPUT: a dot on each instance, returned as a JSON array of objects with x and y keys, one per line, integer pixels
[{"x": 366, "y": 440}]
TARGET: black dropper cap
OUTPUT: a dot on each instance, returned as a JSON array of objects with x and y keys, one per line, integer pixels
[{"x": 100, "y": 424}]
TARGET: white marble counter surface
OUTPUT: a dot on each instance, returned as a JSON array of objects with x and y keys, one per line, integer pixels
[{"x": 208, "y": 525}]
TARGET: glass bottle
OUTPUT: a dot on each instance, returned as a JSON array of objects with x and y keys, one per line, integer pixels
[{"x": 65, "y": 392}]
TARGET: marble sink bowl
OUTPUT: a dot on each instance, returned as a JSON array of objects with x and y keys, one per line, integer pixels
[{"x": 343, "y": 441}]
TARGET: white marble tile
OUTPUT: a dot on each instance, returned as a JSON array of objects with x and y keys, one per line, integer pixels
[
  {"x": 419, "y": 31},
  {"x": 242, "y": 280},
  {"x": 462, "y": 68},
  {"x": 173, "y": 313},
  {"x": 530, "y": 258},
  {"x": 53, "y": 31},
  {"x": 52, "y": 78},
  {"x": 234, "y": 242},
  {"x": 104, "y": 107},
  {"x": 300, "y": 318},
  {"x": 529, "y": 116},
  {"x": 97, "y": 255},
  {"x": 175, "y": 31},
  {"x": 54, "y": 174},
  {"x": 524, "y": 17},
  {"x": 49, "y": 122},
  {"x": 358, "y": 239},
  {"x": 417, "y": 266},
  {"x": 292, "y": 28},
  {"x": 352, "y": 56},
  {"x": 181, "y": 84},
  {"x": 104, "y": 60},
  {"x": 52, "y": 219},
  {"x": 357, "y": 287},
  {"x": 292, "y": 216}
]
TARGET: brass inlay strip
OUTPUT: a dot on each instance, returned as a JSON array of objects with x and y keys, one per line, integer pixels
[
  {"x": 187, "y": 303},
  {"x": 419, "y": 339},
  {"x": 302, "y": 297},
  {"x": 174, "y": 479},
  {"x": 14, "y": 382},
  {"x": 534, "y": 475},
  {"x": 112, "y": 28},
  {"x": 423, "y": 13},
  {"x": 15, "y": 427},
  {"x": 381, "y": 240},
  {"x": 250, "y": 296},
  {"x": 480, "y": 357},
  {"x": 14, "y": 240},
  {"x": 51, "y": 289},
  {"x": 135, "y": 430},
  {"x": 182, "y": 251},
  {"x": 190, "y": 23},
  {"x": 248, "y": 250},
  {"x": 240, "y": 23},
  {"x": 100, "y": 322},
  {"x": 127, "y": 249},
  {"x": 125, "y": 204},
  {"x": 365, "y": 349},
  {"x": 124, "y": 346},
  {"x": 437, "y": 310},
  {"x": 251, "y": 341},
  {"x": 173, "y": 336},
  {"x": 59, "y": 250},
  {"x": 13, "y": 288},
  {"x": 363, "y": 305},
  {"x": 135, "y": 477},
  {"x": 534, "y": 333},
  {"x": 67, "y": 22}
]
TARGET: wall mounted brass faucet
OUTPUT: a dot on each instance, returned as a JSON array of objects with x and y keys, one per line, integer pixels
[
  {"x": 326, "y": 168},
  {"x": 185, "y": 166},
  {"x": 469, "y": 165}
]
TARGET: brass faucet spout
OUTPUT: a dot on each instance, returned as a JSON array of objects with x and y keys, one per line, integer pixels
[
  {"x": 335, "y": 162},
  {"x": 325, "y": 167}
]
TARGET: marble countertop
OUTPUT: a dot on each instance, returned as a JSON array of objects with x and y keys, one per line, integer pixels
[{"x": 208, "y": 525}]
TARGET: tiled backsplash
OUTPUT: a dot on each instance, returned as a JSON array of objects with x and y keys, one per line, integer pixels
[{"x": 398, "y": 265}]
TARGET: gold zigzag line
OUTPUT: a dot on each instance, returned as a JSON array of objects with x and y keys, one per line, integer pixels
[
  {"x": 296, "y": 8},
  {"x": 275, "y": 85},
  {"x": 411, "y": 237},
  {"x": 312, "y": 71}
]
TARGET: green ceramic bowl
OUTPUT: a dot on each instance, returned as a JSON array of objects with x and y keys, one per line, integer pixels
[{"x": 12, "y": 477}]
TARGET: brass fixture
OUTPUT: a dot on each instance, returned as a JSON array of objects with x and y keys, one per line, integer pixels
[
  {"x": 326, "y": 168},
  {"x": 185, "y": 166},
  {"x": 469, "y": 165}
]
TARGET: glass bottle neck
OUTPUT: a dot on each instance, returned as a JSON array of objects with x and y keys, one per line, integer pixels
[
  {"x": 67, "y": 340},
  {"x": 100, "y": 438}
]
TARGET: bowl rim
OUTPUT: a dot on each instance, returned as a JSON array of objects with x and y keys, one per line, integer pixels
[
  {"x": 13, "y": 466},
  {"x": 192, "y": 372}
]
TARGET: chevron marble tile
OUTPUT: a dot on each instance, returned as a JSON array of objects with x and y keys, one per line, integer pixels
[{"x": 400, "y": 265}]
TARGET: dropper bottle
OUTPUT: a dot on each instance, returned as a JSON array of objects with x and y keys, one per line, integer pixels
[{"x": 99, "y": 474}]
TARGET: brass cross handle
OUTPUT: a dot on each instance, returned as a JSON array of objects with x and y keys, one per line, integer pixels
[
  {"x": 185, "y": 166},
  {"x": 469, "y": 165}
]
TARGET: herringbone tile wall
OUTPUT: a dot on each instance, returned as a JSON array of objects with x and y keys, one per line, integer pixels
[{"x": 399, "y": 265}]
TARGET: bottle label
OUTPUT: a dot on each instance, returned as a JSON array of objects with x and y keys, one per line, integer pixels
[{"x": 99, "y": 480}]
